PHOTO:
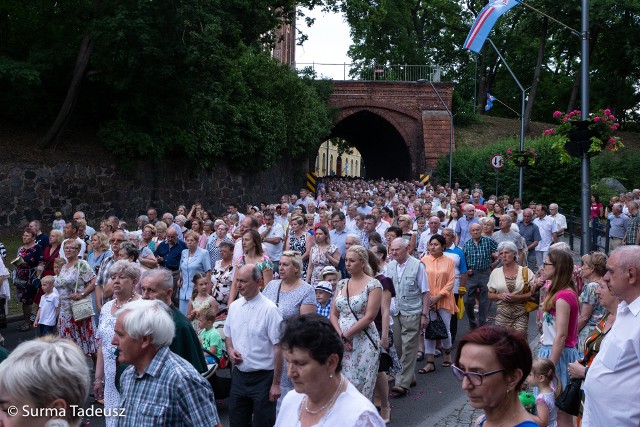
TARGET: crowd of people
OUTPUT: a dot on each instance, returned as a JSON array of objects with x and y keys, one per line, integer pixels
[{"x": 327, "y": 300}]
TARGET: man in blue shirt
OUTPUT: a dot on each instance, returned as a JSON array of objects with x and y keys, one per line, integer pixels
[
  {"x": 462, "y": 227},
  {"x": 168, "y": 255}
]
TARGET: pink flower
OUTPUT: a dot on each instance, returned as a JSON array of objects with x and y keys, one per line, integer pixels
[
  {"x": 607, "y": 112},
  {"x": 557, "y": 114},
  {"x": 566, "y": 119},
  {"x": 596, "y": 119},
  {"x": 548, "y": 132},
  {"x": 612, "y": 141},
  {"x": 508, "y": 150},
  {"x": 612, "y": 117},
  {"x": 614, "y": 127}
]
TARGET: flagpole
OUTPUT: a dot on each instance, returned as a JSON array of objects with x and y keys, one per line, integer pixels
[
  {"x": 520, "y": 177},
  {"x": 585, "y": 166}
]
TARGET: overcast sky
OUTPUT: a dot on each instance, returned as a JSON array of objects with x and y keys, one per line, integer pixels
[{"x": 328, "y": 43}]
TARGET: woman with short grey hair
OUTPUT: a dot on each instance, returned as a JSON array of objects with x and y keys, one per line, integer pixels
[
  {"x": 511, "y": 286},
  {"x": 47, "y": 376},
  {"x": 124, "y": 276}
]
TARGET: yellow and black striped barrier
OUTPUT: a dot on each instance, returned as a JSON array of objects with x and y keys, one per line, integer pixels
[
  {"x": 311, "y": 181},
  {"x": 424, "y": 178}
]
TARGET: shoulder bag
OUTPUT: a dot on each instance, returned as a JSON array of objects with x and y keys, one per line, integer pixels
[
  {"x": 385, "y": 358},
  {"x": 570, "y": 399},
  {"x": 83, "y": 308},
  {"x": 435, "y": 329},
  {"x": 529, "y": 305}
]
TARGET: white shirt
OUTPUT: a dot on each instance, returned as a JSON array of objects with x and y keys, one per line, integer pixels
[
  {"x": 254, "y": 328},
  {"x": 351, "y": 409},
  {"x": 48, "y": 305},
  {"x": 547, "y": 227},
  {"x": 561, "y": 221},
  {"x": 351, "y": 223},
  {"x": 424, "y": 241},
  {"x": 613, "y": 380},
  {"x": 382, "y": 227},
  {"x": 274, "y": 250}
]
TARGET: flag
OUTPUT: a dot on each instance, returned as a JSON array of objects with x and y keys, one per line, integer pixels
[
  {"x": 485, "y": 21},
  {"x": 490, "y": 99}
]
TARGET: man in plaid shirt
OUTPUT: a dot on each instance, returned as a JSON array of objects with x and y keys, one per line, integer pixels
[{"x": 479, "y": 252}]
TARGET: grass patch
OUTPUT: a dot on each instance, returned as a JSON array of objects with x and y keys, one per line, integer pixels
[{"x": 12, "y": 243}]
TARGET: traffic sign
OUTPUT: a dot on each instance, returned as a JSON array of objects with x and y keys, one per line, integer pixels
[{"x": 497, "y": 161}]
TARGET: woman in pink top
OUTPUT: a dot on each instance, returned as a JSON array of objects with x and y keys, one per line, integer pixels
[
  {"x": 560, "y": 319},
  {"x": 441, "y": 274}
]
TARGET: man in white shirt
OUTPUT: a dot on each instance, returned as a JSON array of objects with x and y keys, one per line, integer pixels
[
  {"x": 560, "y": 219},
  {"x": 252, "y": 332},
  {"x": 434, "y": 228},
  {"x": 272, "y": 235},
  {"x": 548, "y": 232},
  {"x": 613, "y": 379},
  {"x": 352, "y": 212}
]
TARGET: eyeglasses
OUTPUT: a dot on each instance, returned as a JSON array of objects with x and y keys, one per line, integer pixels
[
  {"x": 547, "y": 263},
  {"x": 71, "y": 248},
  {"x": 474, "y": 378}
]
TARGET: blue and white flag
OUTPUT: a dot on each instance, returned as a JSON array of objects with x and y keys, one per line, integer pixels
[
  {"x": 490, "y": 99},
  {"x": 485, "y": 21}
]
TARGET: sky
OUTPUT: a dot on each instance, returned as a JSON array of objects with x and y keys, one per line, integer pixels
[{"x": 328, "y": 43}]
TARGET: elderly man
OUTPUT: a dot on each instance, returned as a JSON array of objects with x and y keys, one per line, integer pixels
[
  {"x": 152, "y": 215},
  {"x": 339, "y": 237},
  {"x": 167, "y": 218},
  {"x": 479, "y": 252},
  {"x": 632, "y": 237},
  {"x": 79, "y": 215},
  {"x": 548, "y": 232},
  {"x": 434, "y": 228},
  {"x": 505, "y": 234},
  {"x": 531, "y": 234},
  {"x": 412, "y": 301},
  {"x": 619, "y": 225},
  {"x": 168, "y": 255},
  {"x": 560, "y": 219},
  {"x": 462, "y": 226},
  {"x": 252, "y": 332},
  {"x": 159, "y": 388},
  {"x": 614, "y": 376},
  {"x": 158, "y": 285}
]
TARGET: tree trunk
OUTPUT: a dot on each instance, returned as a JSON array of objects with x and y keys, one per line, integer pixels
[
  {"x": 61, "y": 121},
  {"x": 536, "y": 74}
]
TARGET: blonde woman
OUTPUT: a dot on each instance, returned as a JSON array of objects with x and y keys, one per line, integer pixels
[{"x": 406, "y": 225}]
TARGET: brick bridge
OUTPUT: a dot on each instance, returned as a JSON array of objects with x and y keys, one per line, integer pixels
[{"x": 400, "y": 128}]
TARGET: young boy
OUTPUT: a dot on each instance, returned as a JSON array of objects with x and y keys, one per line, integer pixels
[
  {"x": 49, "y": 310},
  {"x": 324, "y": 295},
  {"x": 331, "y": 275},
  {"x": 209, "y": 336},
  {"x": 58, "y": 223}
]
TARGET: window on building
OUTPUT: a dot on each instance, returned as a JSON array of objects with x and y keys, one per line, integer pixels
[
  {"x": 324, "y": 163},
  {"x": 331, "y": 165}
]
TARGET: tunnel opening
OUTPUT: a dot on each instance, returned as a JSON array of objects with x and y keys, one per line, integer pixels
[{"x": 384, "y": 151}]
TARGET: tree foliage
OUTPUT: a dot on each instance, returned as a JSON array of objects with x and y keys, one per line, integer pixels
[{"x": 191, "y": 78}]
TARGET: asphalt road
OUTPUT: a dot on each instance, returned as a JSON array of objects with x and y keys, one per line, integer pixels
[{"x": 434, "y": 397}]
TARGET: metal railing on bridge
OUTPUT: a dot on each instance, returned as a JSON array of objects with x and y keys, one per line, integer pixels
[
  {"x": 600, "y": 240},
  {"x": 382, "y": 72}
]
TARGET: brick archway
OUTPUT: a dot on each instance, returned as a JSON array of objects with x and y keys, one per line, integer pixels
[{"x": 412, "y": 124}]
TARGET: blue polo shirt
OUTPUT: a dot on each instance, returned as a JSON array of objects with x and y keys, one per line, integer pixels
[{"x": 170, "y": 255}]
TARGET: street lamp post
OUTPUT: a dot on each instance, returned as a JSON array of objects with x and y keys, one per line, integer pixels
[{"x": 585, "y": 164}]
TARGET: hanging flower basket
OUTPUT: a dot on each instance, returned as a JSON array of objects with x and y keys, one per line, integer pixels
[
  {"x": 575, "y": 137},
  {"x": 526, "y": 158}
]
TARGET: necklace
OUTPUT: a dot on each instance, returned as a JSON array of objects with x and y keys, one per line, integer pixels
[
  {"x": 121, "y": 305},
  {"x": 323, "y": 407}
]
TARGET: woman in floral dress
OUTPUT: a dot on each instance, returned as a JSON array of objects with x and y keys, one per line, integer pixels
[
  {"x": 300, "y": 241},
  {"x": 75, "y": 281},
  {"x": 354, "y": 309},
  {"x": 323, "y": 253},
  {"x": 124, "y": 275},
  {"x": 222, "y": 275}
]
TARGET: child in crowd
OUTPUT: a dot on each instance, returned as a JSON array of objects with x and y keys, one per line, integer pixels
[
  {"x": 49, "y": 309},
  {"x": 209, "y": 336},
  {"x": 58, "y": 223},
  {"x": 201, "y": 300},
  {"x": 543, "y": 372},
  {"x": 331, "y": 275},
  {"x": 324, "y": 295}
]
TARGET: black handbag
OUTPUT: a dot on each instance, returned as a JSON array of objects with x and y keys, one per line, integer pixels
[
  {"x": 436, "y": 329},
  {"x": 570, "y": 398}
]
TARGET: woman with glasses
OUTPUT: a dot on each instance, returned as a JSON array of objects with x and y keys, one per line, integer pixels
[
  {"x": 492, "y": 363},
  {"x": 75, "y": 281}
]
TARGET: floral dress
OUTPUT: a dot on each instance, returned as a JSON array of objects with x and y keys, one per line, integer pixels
[
  {"x": 359, "y": 365},
  {"x": 26, "y": 272},
  {"x": 83, "y": 331},
  {"x": 221, "y": 278},
  {"x": 589, "y": 296},
  {"x": 106, "y": 331},
  {"x": 299, "y": 244},
  {"x": 264, "y": 265},
  {"x": 320, "y": 261}
]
